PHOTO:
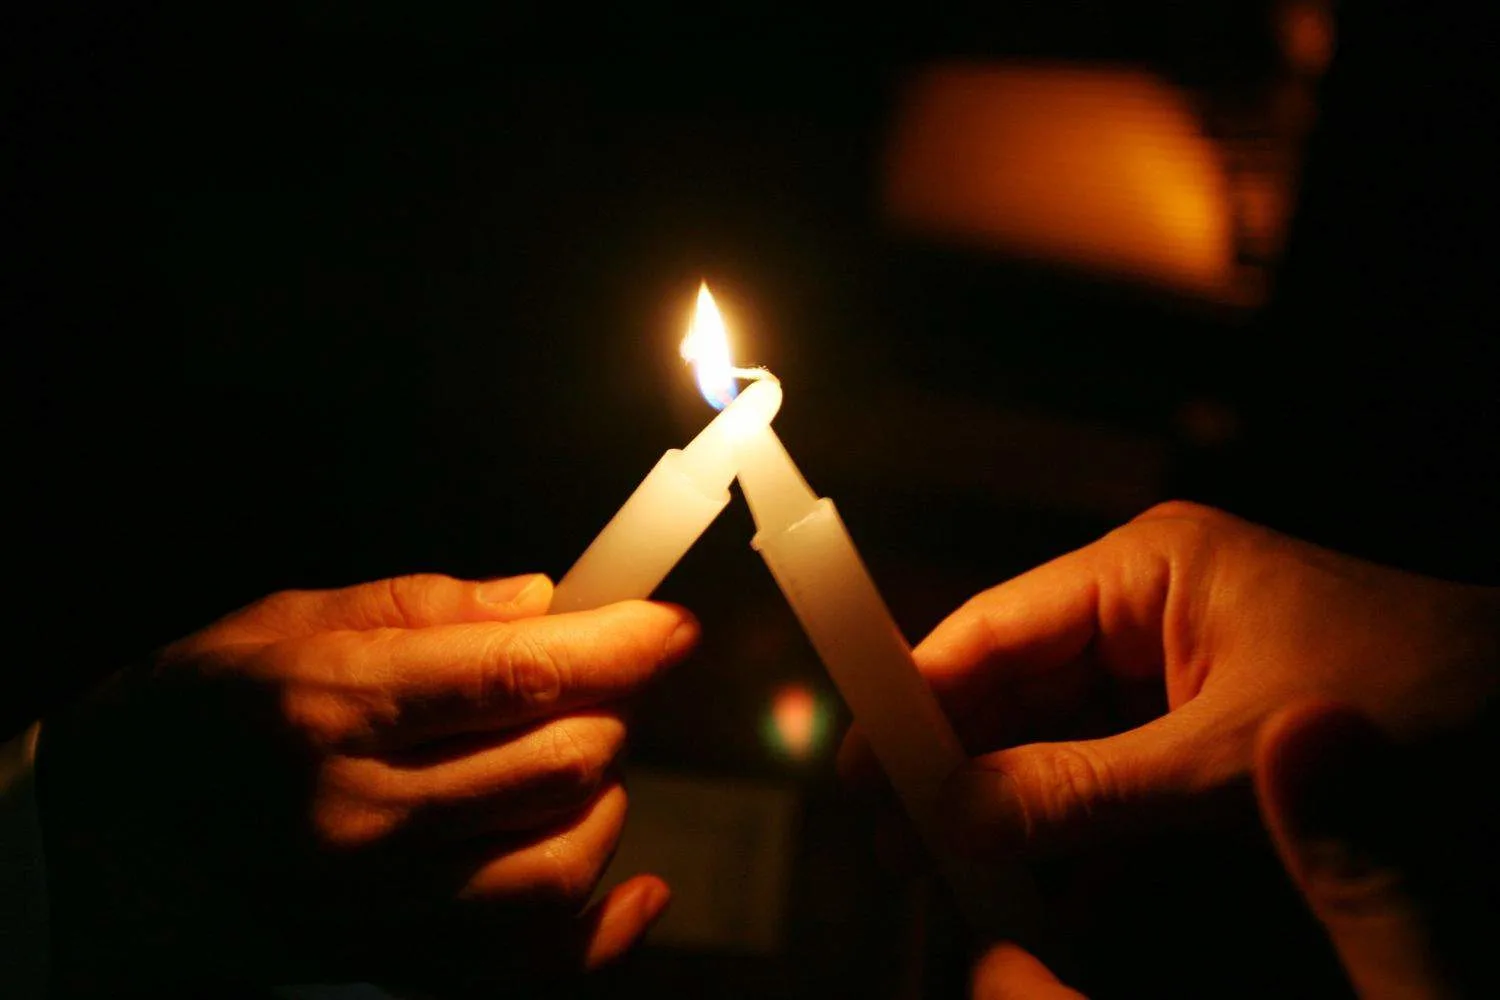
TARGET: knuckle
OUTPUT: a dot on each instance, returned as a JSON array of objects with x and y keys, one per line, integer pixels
[
  {"x": 352, "y": 807},
  {"x": 1178, "y": 510},
  {"x": 344, "y": 827},
  {"x": 370, "y": 781},
  {"x": 411, "y": 597},
  {"x": 530, "y": 674},
  {"x": 320, "y": 701},
  {"x": 1180, "y": 530},
  {"x": 284, "y": 661},
  {"x": 282, "y": 613},
  {"x": 571, "y": 873},
  {"x": 1074, "y": 785},
  {"x": 572, "y": 763},
  {"x": 317, "y": 718},
  {"x": 576, "y": 758},
  {"x": 282, "y": 603}
]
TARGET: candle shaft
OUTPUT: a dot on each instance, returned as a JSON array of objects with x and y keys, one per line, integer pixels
[
  {"x": 810, "y": 554},
  {"x": 668, "y": 511}
]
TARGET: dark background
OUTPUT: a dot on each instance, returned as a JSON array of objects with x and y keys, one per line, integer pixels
[{"x": 306, "y": 297}]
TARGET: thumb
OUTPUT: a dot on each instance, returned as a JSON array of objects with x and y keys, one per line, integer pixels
[
  {"x": 1047, "y": 797},
  {"x": 1323, "y": 781}
]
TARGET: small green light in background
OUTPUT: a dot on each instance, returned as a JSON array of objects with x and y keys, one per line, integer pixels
[{"x": 796, "y": 723}]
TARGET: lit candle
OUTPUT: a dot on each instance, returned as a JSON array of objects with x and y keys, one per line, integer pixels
[
  {"x": 809, "y": 552},
  {"x": 687, "y": 488}
]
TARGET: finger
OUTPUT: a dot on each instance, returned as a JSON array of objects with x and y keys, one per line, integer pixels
[
  {"x": 531, "y": 781},
  {"x": 473, "y": 678},
  {"x": 1322, "y": 779},
  {"x": 430, "y": 599},
  {"x": 1045, "y": 798},
  {"x": 560, "y": 870},
  {"x": 617, "y": 922},
  {"x": 480, "y": 947},
  {"x": 416, "y": 601},
  {"x": 1026, "y": 653},
  {"x": 1008, "y": 972}
]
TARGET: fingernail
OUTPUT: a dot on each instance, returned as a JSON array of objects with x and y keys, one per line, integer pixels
[
  {"x": 682, "y": 638},
  {"x": 511, "y": 590}
]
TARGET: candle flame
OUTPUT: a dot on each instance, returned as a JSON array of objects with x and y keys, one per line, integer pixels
[{"x": 706, "y": 347}]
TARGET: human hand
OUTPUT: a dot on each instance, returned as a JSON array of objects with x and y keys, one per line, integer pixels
[
  {"x": 1391, "y": 848},
  {"x": 406, "y": 781},
  {"x": 1216, "y": 621}
]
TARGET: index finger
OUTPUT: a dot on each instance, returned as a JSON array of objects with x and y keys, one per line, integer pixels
[
  {"x": 471, "y": 678},
  {"x": 420, "y": 600},
  {"x": 1034, "y": 648}
]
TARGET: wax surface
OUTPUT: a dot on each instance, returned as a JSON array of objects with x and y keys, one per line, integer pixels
[
  {"x": 643, "y": 541},
  {"x": 809, "y": 552},
  {"x": 669, "y": 511}
]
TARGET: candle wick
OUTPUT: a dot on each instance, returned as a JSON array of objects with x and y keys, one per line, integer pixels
[{"x": 753, "y": 374}]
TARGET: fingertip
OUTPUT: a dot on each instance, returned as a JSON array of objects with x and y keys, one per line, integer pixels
[
  {"x": 674, "y": 619},
  {"x": 623, "y": 917},
  {"x": 684, "y": 635},
  {"x": 655, "y": 897},
  {"x": 676, "y": 624},
  {"x": 645, "y": 623}
]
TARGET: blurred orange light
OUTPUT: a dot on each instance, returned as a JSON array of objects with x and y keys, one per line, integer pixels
[
  {"x": 1106, "y": 169},
  {"x": 1307, "y": 35}
]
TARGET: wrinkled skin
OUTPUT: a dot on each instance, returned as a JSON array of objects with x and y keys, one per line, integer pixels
[
  {"x": 408, "y": 781},
  {"x": 1121, "y": 689}
]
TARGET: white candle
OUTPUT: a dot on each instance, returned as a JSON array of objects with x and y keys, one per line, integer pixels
[
  {"x": 813, "y": 559},
  {"x": 687, "y": 488},
  {"x": 667, "y": 513}
]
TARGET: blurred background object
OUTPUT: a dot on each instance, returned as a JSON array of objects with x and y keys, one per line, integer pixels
[
  {"x": 317, "y": 294},
  {"x": 1102, "y": 169}
]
